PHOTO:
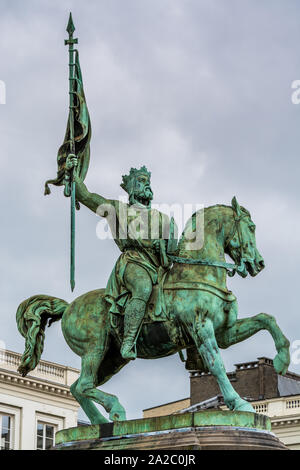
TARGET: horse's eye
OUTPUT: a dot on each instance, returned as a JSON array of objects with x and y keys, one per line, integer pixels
[{"x": 252, "y": 228}]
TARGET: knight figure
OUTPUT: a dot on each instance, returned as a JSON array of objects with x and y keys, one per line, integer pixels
[{"x": 141, "y": 234}]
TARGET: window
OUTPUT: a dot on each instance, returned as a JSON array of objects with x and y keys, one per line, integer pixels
[
  {"x": 6, "y": 432},
  {"x": 45, "y": 435}
]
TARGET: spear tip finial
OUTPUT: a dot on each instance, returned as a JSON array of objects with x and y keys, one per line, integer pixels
[{"x": 70, "y": 26}]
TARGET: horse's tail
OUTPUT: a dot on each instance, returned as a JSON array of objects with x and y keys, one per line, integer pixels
[{"x": 32, "y": 316}]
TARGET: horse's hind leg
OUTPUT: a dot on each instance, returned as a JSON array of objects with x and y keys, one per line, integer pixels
[
  {"x": 247, "y": 327},
  {"x": 204, "y": 336},
  {"x": 88, "y": 406},
  {"x": 85, "y": 391}
]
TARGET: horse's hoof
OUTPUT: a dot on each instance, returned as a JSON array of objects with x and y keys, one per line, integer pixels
[
  {"x": 117, "y": 415},
  {"x": 243, "y": 405},
  {"x": 281, "y": 362}
]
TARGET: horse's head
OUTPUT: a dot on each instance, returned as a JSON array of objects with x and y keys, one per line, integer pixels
[{"x": 241, "y": 242}]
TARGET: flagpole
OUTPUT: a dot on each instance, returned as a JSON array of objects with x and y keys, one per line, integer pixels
[{"x": 69, "y": 178}]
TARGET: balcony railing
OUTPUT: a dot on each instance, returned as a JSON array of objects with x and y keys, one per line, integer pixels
[
  {"x": 293, "y": 403},
  {"x": 48, "y": 370},
  {"x": 261, "y": 408}
]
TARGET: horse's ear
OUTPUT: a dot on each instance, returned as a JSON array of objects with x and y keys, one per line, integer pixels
[{"x": 235, "y": 206}]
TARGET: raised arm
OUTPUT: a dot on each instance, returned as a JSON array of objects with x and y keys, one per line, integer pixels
[{"x": 90, "y": 200}]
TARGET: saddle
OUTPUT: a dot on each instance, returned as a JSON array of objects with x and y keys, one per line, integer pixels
[{"x": 157, "y": 311}]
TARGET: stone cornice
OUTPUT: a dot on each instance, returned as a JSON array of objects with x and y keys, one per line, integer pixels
[
  {"x": 282, "y": 421},
  {"x": 9, "y": 377}
]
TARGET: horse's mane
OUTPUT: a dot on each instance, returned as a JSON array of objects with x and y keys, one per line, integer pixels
[{"x": 208, "y": 216}]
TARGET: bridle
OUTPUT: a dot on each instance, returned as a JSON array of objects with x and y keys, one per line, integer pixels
[
  {"x": 237, "y": 229},
  {"x": 231, "y": 268}
]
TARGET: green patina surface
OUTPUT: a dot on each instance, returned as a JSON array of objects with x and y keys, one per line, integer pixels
[
  {"x": 241, "y": 419},
  {"x": 200, "y": 315},
  {"x": 237, "y": 419},
  {"x": 78, "y": 434},
  {"x": 160, "y": 423}
]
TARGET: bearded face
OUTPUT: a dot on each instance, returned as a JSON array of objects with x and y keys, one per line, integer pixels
[{"x": 142, "y": 191}]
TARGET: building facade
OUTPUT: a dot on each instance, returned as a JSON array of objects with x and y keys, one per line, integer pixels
[
  {"x": 167, "y": 408},
  {"x": 256, "y": 380},
  {"x": 35, "y": 407},
  {"x": 270, "y": 394}
]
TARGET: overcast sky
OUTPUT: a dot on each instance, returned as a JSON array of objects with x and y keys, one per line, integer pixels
[{"x": 197, "y": 90}]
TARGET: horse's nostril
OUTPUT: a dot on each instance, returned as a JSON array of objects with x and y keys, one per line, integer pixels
[{"x": 262, "y": 263}]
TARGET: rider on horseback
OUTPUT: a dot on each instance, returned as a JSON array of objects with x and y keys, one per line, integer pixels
[{"x": 141, "y": 234}]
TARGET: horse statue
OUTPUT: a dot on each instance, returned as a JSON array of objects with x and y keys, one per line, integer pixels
[{"x": 200, "y": 315}]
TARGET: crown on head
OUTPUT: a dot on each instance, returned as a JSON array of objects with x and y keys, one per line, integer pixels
[{"x": 128, "y": 180}]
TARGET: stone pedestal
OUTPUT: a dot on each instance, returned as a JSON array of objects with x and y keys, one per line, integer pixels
[{"x": 203, "y": 430}]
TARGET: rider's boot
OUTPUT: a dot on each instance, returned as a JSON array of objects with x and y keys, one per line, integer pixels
[{"x": 134, "y": 314}]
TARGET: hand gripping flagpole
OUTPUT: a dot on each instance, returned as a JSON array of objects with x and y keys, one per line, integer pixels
[{"x": 69, "y": 177}]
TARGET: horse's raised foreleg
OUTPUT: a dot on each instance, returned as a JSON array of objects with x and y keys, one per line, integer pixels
[
  {"x": 85, "y": 390},
  {"x": 204, "y": 337},
  {"x": 246, "y": 327}
]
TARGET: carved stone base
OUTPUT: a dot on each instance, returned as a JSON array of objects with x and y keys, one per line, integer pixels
[{"x": 204, "y": 430}]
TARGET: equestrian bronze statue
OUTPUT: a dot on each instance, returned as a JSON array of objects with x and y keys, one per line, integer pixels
[{"x": 163, "y": 296}]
